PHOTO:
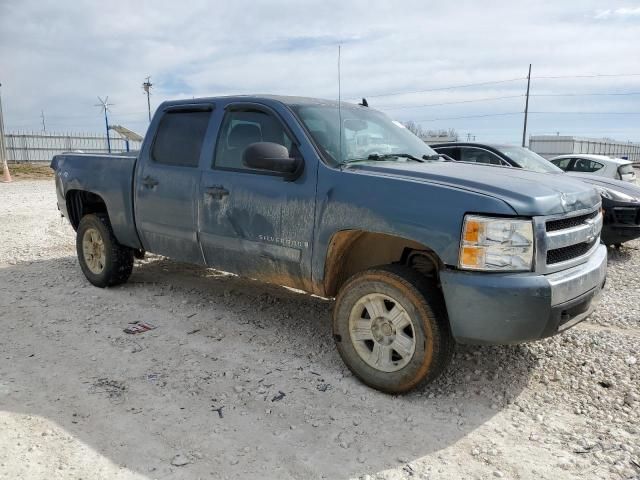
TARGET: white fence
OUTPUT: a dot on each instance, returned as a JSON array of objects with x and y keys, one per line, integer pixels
[
  {"x": 553, "y": 145},
  {"x": 41, "y": 147}
]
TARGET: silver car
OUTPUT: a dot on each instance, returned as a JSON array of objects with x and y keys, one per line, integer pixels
[{"x": 600, "y": 165}]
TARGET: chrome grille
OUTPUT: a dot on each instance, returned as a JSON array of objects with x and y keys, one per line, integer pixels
[
  {"x": 563, "y": 241},
  {"x": 563, "y": 254},
  {"x": 563, "y": 223}
]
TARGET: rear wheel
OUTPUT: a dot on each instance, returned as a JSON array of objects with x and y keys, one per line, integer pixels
[
  {"x": 102, "y": 259},
  {"x": 391, "y": 328}
]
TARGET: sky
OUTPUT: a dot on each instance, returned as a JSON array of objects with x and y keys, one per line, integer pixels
[{"x": 57, "y": 57}]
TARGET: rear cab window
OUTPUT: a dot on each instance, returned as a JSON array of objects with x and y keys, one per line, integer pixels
[{"x": 179, "y": 138}]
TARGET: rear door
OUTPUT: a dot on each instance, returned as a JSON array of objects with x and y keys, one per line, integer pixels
[
  {"x": 167, "y": 184},
  {"x": 253, "y": 222}
]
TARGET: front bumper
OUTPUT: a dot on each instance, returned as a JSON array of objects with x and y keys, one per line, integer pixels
[
  {"x": 616, "y": 234},
  {"x": 495, "y": 308}
]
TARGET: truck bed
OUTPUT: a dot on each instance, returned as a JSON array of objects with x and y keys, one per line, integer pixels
[{"x": 108, "y": 176}]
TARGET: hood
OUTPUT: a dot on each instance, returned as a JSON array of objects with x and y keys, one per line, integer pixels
[
  {"x": 608, "y": 183},
  {"x": 528, "y": 193}
]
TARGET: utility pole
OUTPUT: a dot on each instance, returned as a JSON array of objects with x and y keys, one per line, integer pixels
[
  {"x": 146, "y": 86},
  {"x": 526, "y": 108},
  {"x": 44, "y": 125},
  {"x": 105, "y": 108},
  {"x": 3, "y": 148}
]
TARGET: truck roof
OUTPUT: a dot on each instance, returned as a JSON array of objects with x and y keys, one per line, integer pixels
[{"x": 284, "y": 99}]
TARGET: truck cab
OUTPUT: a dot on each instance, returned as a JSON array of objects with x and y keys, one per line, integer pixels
[{"x": 340, "y": 201}]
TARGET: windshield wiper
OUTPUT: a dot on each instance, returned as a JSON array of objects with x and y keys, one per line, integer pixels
[{"x": 386, "y": 156}]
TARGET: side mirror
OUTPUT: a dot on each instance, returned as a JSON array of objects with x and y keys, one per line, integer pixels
[{"x": 272, "y": 157}]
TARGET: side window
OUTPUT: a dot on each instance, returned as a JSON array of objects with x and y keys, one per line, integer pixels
[
  {"x": 585, "y": 165},
  {"x": 242, "y": 128},
  {"x": 562, "y": 163},
  {"x": 179, "y": 138},
  {"x": 479, "y": 156}
]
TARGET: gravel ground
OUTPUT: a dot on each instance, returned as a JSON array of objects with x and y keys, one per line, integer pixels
[{"x": 241, "y": 380}]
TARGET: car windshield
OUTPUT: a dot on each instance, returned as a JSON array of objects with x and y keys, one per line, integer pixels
[
  {"x": 366, "y": 135},
  {"x": 525, "y": 158}
]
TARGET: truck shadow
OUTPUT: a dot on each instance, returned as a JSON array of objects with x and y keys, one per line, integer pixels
[{"x": 240, "y": 378}]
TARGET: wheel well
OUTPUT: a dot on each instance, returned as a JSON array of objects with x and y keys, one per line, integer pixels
[
  {"x": 81, "y": 203},
  {"x": 352, "y": 251}
]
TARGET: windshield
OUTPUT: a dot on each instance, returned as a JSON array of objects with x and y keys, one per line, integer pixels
[
  {"x": 365, "y": 133},
  {"x": 525, "y": 158}
]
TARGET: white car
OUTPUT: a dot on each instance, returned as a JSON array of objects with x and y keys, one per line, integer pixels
[{"x": 601, "y": 165}]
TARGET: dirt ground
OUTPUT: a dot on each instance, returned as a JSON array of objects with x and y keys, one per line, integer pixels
[
  {"x": 241, "y": 380},
  {"x": 29, "y": 171}
]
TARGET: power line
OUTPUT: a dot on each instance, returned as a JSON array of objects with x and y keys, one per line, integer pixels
[
  {"x": 488, "y": 99},
  {"x": 595, "y": 75},
  {"x": 121, "y": 114},
  {"x": 589, "y": 113},
  {"x": 589, "y": 94},
  {"x": 447, "y": 88},
  {"x": 495, "y": 82},
  {"x": 470, "y": 116},
  {"x": 519, "y": 113},
  {"x": 485, "y": 99}
]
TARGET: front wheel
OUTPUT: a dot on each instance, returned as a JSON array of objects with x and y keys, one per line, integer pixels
[
  {"x": 391, "y": 328},
  {"x": 102, "y": 259}
]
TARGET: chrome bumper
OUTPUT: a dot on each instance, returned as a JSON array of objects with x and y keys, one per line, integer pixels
[{"x": 573, "y": 282}]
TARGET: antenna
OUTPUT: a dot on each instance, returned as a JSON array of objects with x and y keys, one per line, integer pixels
[
  {"x": 104, "y": 104},
  {"x": 339, "y": 107},
  {"x": 526, "y": 108}
]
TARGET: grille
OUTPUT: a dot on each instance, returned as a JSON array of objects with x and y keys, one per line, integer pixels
[
  {"x": 563, "y": 223},
  {"x": 627, "y": 216},
  {"x": 569, "y": 253}
]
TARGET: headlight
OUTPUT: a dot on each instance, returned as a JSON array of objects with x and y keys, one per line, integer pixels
[
  {"x": 615, "y": 195},
  {"x": 496, "y": 244}
]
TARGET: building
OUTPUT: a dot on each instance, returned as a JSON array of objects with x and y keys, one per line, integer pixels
[
  {"x": 438, "y": 136},
  {"x": 553, "y": 145}
]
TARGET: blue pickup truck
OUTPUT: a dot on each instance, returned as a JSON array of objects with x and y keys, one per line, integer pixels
[{"x": 340, "y": 201}]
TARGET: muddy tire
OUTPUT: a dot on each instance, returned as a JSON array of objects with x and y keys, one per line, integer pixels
[
  {"x": 102, "y": 259},
  {"x": 391, "y": 328}
]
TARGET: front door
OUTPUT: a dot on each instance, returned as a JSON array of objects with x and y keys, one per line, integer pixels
[
  {"x": 255, "y": 223},
  {"x": 167, "y": 186}
]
